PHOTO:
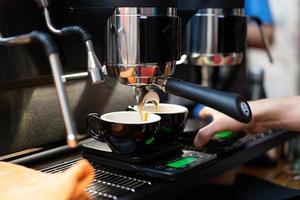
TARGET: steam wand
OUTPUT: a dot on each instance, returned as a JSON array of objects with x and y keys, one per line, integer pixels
[
  {"x": 94, "y": 66},
  {"x": 51, "y": 51}
]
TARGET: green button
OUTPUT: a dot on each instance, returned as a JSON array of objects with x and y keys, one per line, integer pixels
[
  {"x": 150, "y": 140},
  {"x": 182, "y": 162},
  {"x": 223, "y": 134}
]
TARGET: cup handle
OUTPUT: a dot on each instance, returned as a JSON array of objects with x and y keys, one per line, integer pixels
[{"x": 96, "y": 135}]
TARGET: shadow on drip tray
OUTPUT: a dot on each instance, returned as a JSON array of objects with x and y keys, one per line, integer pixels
[
  {"x": 167, "y": 161},
  {"x": 156, "y": 152}
]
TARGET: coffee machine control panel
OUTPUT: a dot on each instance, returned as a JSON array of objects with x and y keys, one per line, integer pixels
[
  {"x": 168, "y": 165},
  {"x": 178, "y": 165}
]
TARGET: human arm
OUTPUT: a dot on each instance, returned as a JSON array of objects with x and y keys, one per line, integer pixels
[
  {"x": 283, "y": 113},
  {"x": 254, "y": 38},
  {"x": 260, "y": 9}
]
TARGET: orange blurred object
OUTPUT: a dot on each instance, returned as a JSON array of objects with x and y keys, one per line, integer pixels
[{"x": 18, "y": 182}]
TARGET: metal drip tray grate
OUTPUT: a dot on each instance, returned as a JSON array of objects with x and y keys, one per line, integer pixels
[{"x": 109, "y": 183}]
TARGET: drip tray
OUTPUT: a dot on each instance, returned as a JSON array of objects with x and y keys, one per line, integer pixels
[
  {"x": 157, "y": 152},
  {"x": 109, "y": 183},
  {"x": 167, "y": 162}
]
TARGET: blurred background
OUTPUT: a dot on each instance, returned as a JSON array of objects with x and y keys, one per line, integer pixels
[{"x": 281, "y": 77}]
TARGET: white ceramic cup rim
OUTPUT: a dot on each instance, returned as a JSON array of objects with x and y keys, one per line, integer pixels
[
  {"x": 174, "y": 108},
  {"x": 123, "y": 117}
]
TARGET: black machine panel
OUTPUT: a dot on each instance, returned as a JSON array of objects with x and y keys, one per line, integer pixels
[
  {"x": 197, "y": 4},
  {"x": 29, "y": 111},
  {"x": 123, "y": 3}
]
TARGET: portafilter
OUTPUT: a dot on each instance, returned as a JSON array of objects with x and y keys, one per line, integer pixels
[{"x": 143, "y": 45}]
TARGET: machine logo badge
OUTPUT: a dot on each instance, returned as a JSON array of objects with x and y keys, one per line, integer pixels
[{"x": 245, "y": 109}]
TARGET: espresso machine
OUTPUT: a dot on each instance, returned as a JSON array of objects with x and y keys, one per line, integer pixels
[
  {"x": 215, "y": 35},
  {"x": 142, "y": 45},
  {"x": 214, "y": 32},
  {"x": 139, "y": 43},
  {"x": 142, "y": 42}
]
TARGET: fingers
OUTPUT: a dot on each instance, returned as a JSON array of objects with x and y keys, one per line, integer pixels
[
  {"x": 205, "y": 134},
  {"x": 79, "y": 177},
  {"x": 83, "y": 173}
]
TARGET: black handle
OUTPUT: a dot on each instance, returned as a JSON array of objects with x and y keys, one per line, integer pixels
[
  {"x": 232, "y": 105},
  {"x": 96, "y": 135}
]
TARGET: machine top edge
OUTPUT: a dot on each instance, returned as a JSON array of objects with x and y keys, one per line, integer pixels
[
  {"x": 123, "y": 3},
  {"x": 199, "y": 4}
]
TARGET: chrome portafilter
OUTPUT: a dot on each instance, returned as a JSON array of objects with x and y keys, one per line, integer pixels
[{"x": 144, "y": 96}]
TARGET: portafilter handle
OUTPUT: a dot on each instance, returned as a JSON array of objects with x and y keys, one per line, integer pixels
[{"x": 233, "y": 105}]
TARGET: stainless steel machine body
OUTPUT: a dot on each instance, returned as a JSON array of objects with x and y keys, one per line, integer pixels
[
  {"x": 216, "y": 37},
  {"x": 142, "y": 43}
]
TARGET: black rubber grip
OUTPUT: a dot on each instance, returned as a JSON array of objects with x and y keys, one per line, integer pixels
[
  {"x": 44, "y": 39},
  {"x": 230, "y": 104},
  {"x": 77, "y": 30}
]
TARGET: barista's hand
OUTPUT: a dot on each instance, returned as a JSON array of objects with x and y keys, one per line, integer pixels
[
  {"x": 18, "y": 182},
  {"x": 282, "y": 113},
  {"x": 221, "y": 122}
]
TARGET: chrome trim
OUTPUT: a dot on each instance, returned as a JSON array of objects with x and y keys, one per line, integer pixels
[
  {"x": 94, "y": 66},
  {"x": 160, "y": 83},
  {"x": 74, "y": 76},
  {"x": 220, "y": 12},
  {"x": 216, "y": 59},
  {"x": 49, "y": 23},
  {"x": 143, "y": 96},
  {"x": 147, "y": 11},
  {"x": 63, "y": 100},
  {"x": 15, "y": 40},
  {"x": 182, "y": 60},
  {"x": 140, "y": 74}
]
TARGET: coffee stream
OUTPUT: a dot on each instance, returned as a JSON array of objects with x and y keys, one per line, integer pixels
[
  {"x": 151, "y": 96},
  {"x": 144, "y": 115}
]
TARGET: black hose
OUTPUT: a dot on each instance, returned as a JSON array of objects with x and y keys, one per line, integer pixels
[
  {"x": 44, "y": 39},
  {"x": 78, "y": 30}
]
